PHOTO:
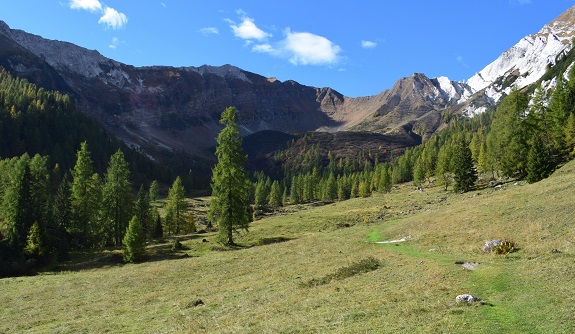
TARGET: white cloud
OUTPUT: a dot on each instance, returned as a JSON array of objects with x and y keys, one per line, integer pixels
[
  {"x": 90, "y": 5},
  {"x": 309, "y": 49},
  {"x": 163, "y": 4},
  {"x": 115, "y": 43},
  {"x": 265, "y": 48},
  {"x": 248, "y": 29},
  {"x": 113, "y": 19},
  {"x": 302, "y": 48},
  {"x": 368, "y": 44},
  {"x": 209, "y": 31}
]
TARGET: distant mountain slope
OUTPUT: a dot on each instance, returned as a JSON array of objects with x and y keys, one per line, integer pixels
[{"x": 170, "y": 109}]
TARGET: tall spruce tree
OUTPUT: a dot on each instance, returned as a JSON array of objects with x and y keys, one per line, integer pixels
[
  {"x": 464, "y": 174},
  {"x": 538, "y": 161},
  {"x": 230, "y": 184}
]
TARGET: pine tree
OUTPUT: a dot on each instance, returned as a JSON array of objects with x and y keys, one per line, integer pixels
[
  {"x": 117, "y": 201},
  {"x": 538, "y": 162},
  {"x": 464, "y": 174},
  {"x": 176, "y": 207},
  {"x": 230, "y": 184},
  {"x": 134, "y": 242}
]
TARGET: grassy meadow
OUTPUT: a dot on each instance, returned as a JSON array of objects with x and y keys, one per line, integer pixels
[{"x": 293, "y": 271}]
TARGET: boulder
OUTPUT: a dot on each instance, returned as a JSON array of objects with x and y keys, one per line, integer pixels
[
  {"x": 467, "y": 298},
  {"x": 490, "y": 245}
]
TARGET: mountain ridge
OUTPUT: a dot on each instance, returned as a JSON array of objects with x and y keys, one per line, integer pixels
[{"x": 177, "y": 108}]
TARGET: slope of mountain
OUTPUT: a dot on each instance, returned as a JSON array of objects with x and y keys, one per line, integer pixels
[
  {"x": 527, "y": 61},
  {"x": 167, "y": 109}
]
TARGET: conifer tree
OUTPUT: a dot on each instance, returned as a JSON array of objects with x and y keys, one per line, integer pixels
[
  {"x": 295, "y": 190},
  {"x": 509, "y": 135},
  {"x": 275, "y": 195},
  {"x": 330, "y": 188},
  {"x": 158, "y": 231},
  {"x": 60, "y": 220},
  {"x": 385, "y": 179},
  {"x": 84, "y": 198},
  {"x": 230, "y": 184},
  {"x": 18, "y": 218},
  {"x": 117, "y": 201},
  {"x": 134, "y": 242},
  {"x": 464, "y": 174},
  {"x": 443, "y": 168},
  {"x": 570, "y": 133},
  {"x": 35, "y": 245},
  {"x": 176, "y": 207},
  {"x": 154, "y": 191},
  {"x": 538, "y": 162},
  {"x": 142, "y": 211},
  {"x": 557, "y": 115}
]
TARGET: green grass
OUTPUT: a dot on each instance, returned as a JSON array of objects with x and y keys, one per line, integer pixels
[{"x": 260, "y": 287}]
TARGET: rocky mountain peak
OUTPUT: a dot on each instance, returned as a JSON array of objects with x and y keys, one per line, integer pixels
[{"x": 528, "y": 60}]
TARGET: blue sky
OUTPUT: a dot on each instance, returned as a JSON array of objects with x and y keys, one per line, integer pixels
[{"x": 358, "y": 47}]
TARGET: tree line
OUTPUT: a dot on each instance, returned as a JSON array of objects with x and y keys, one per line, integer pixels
[{"x": 86, "y": 210}]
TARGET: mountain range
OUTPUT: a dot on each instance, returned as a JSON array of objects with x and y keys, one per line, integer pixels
[{"x": 176, "y": 109}]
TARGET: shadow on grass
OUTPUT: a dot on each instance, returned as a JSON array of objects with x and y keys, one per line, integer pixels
[{"x": 157, "y": 250}]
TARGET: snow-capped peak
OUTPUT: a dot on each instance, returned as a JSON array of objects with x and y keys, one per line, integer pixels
[{"x": 528, "y": 60}]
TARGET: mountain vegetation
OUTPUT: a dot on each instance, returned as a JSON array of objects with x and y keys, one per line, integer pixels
[{"x": 392, "y": 204}]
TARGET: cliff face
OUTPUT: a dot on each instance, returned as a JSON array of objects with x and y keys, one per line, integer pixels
[{"x": 174, "y": 109}]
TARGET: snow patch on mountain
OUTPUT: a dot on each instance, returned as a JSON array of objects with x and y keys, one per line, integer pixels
[
  {"x": 452, "y": 91},
  {"x": 528, "y": 60}
]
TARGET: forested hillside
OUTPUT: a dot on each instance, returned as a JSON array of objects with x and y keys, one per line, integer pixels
[{"x": 65, "y": 184}]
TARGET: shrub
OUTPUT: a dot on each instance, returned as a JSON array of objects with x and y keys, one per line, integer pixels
[{"x": 505, "y": 247}]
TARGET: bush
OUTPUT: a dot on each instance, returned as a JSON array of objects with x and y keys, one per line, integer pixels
[{"x": 505, "y": 247}]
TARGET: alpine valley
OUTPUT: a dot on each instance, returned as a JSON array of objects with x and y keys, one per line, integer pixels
[{"x": 162, "y": 109}]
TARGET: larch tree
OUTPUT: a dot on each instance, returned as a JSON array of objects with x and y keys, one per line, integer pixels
[
  {"x": 133, "y": 242},
  {"x": 176, "y": 207},
  {"x": 230, "y": 183},
  {"x": 117, "y": 199},
  {"x": 84, "y": 199}
]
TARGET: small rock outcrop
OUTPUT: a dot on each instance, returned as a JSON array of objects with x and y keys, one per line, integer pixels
[
  {"x": 490, "y": 245},
  {"x": 467, "y": 298}
]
